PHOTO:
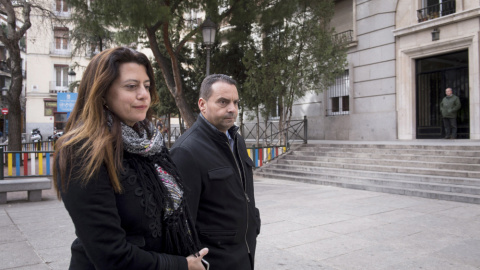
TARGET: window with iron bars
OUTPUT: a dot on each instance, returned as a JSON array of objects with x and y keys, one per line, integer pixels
[
  {"x": 338, "y": 97},
  {"x": 432, "y": 9}
]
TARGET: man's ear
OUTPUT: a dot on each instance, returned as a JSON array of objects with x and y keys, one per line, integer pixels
[{"x": 202, "y": 104}]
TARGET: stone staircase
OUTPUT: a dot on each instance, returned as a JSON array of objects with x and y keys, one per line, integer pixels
[{"x": 443, "y": 171}]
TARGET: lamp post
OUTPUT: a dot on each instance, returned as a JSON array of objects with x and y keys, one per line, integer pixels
[
  {"x": 71, "y": 76},
  {"x": 4, "y": 98},
  {"x": 208, "y": 32}
]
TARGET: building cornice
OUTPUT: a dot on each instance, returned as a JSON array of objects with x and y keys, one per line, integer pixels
[{"x": 450, "y": 19}]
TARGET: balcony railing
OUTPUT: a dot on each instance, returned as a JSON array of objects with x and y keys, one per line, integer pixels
[
  {"x": 438, "y": 10},
  {"x": 58, "y": 87},
  {"x": 62, "y": 50},
  {"x": 343, "y": 37}
]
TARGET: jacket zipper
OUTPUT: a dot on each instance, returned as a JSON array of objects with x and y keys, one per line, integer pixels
[{"x": 244, "y": 189}]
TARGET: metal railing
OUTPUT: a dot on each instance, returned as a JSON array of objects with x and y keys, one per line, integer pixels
[
  {"x": 343, "y": 37},
  {"x": 271, "y": 135},
  {"x": 61, "y": 49},
  {"x": 444, "y": 8}
]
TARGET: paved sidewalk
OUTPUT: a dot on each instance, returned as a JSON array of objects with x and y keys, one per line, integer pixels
[{"x": 304, "y": 227}]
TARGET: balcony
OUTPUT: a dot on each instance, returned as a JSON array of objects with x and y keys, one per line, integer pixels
[
  {"x": 343, "y": 37},
  {"x": 438, "y": 10},
  {"x": 60, "y": 50},
  {"x": 58, "y": 87},
  {"x": 62, "y": 14}
]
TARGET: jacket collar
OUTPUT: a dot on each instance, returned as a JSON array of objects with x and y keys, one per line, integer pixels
[{"x": 214, "y": 132}]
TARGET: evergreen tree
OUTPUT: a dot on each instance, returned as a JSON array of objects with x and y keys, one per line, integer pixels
[
  {"x": 162, "y": 23},
  {"x": 297, "y": 54}
]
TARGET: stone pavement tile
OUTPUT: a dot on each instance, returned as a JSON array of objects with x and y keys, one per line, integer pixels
[
  {"x": 430, "y": 206},
  {"x": 53, "y": 238},
  {"x": 59, "y": 256},
  {"x": 430, "y": 263},
  {"x": 330, "y": 247},
  {"x": 35, "y": 267},
  {"x": 17, "y": 254},
  {"x": 371, "y": 258},
  {"x": 271, "y": 258},
  {"x": 395, "y": 215},
  {"x": 467, "y": 252},
  {"x": 5, "y": 219},
  {"x": 60, "y": 265},
  {"x": 426, "y": 242},
  {"x": 352, "y": 225},
  {"x": 367, "y": 209},
  {"x": 34, "y": 215},
  {"x": 386, "y": 232},
  {"x": 280, "y": 227},
  {"x": 449, "y": 225},
  {"x": 296, "y": 238},
  {"x": 466, "y": 211},
  {"x": 10, "y": 234},
  {"x": 317, "y": 217},
  {"x": 46, "y": 227}
]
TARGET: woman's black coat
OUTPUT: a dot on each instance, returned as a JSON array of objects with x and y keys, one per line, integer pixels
[{"x": 114, "y": 231}]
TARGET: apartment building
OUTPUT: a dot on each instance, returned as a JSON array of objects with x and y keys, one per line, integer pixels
[
  {"x": 51, "y": 67},
  {"x": 402, "y": 55}
]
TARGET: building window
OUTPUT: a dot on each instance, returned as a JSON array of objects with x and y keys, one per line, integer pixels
[
  {"x": 61, "y": 38},
  {"x": 60, "y": 120},
  {"x": 338, "y": 95},
  {"x": 432, "y": 9},
  {"x": 60, "y": 84},
  {"x": 50, "y": 107},
  {"x": 61, "y": 6}
]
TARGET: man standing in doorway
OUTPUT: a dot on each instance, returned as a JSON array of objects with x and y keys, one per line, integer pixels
[
  {"x": 449, "y": 108},
  {"x": 217, "y": 171}
]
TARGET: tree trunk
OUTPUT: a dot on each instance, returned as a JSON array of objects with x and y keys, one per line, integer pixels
[
  {"x": 13, "y": 99},
  {"x": 171, "y": 74}
]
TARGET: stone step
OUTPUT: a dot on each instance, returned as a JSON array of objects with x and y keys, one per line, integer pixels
[
  {"x": 416, "y": 157},
  {"x": 370, "y": 180},
  {"x": 383, "y": 168},
  {"x": 440, "y": 146},
  {"x": 450, "y": 196},
  {"x": 388, "y": 162},
  {"x": 394, "y": 151},
  {"x": 373, "y": 174}
]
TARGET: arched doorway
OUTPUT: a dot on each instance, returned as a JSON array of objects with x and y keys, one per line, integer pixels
[{"x": 433, "y": 76}]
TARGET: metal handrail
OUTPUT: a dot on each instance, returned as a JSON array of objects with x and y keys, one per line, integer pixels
[{"x": 296, "y": 130}]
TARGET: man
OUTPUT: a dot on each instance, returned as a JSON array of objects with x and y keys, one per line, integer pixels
[
  {"x": 213, "y": 162},
  {"x": 449, "y": 108}
]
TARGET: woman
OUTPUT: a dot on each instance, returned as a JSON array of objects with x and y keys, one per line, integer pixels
[{"x": 115, "y": 176}]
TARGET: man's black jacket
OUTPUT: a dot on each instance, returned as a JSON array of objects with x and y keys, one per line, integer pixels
[{"x": 219, "y": 191}]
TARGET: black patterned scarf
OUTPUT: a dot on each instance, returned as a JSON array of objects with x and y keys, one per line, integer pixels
[{"x": 162, "y": 187}]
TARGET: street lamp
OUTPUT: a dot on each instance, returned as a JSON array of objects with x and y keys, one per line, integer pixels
[
  {"x": 4, "y": 101},
  {"x": 208, "y": 31},
  {"x": 71, "y": 75}
]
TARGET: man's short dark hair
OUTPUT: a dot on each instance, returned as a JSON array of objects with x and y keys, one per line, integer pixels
[{"x": 206, "y": 88}]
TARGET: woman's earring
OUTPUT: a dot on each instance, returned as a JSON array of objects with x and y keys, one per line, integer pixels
[{"x": 104, "y": 103}]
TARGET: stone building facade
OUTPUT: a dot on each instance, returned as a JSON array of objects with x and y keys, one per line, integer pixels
[{"x": 402, "y": 55}]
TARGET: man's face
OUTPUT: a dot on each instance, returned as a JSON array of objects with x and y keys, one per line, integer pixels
[
  {"x": 221, "y": 108},
  {"x": 448, "y": 92}
]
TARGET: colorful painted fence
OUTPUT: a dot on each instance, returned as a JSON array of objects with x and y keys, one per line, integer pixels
[
  {"x": 25, "y": 163},
  {"x": 261, "y": 155},
  {"x": 40, "y": 146}
]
